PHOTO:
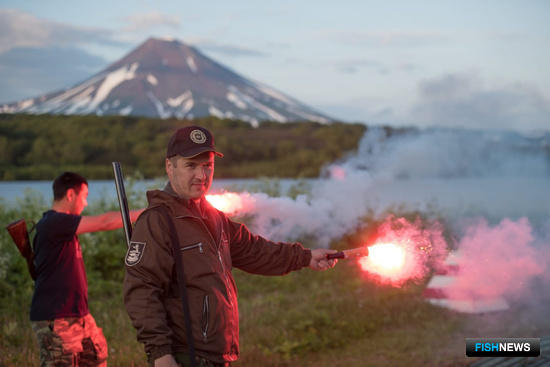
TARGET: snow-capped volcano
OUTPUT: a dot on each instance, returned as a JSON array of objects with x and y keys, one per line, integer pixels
[{"x": 166, "y": 78}]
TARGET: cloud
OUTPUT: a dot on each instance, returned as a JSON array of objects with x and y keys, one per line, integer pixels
[
  {"x": 387, "y": 38},
  {"x": 39, "y": 55},
  {"x": 355, "y": 65},
  {"x": 28, "y": 72},
  {"x": 19, "y": 29},
  {"x": 279, "y": 45},
  {"x": 352, "y": 66},
  {"x": 358, "y": 110},
  {"x": 228, "y": 50},
  {"x": 514, "y": 37},
  {"x": 146, "y": 21},
  {"x": 463, "y": 100}
]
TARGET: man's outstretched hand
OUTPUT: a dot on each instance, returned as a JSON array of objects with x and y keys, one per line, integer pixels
[{"x": 319, "y": 259}]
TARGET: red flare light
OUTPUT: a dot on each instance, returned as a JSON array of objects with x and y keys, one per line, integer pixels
[
  {"x": 228, "y": 202},
  {"x": 404, "y": 251}
]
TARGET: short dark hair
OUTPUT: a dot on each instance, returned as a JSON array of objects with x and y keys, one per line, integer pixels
[{"x": 66, "y": 181}]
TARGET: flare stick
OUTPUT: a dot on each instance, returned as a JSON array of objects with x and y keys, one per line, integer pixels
[{"x": 351, "y": 253}]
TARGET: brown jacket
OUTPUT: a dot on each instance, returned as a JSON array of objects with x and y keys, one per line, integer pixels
[{"x": 211, "y": 244}]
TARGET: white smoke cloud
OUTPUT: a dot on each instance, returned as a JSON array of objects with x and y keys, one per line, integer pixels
[
  {"x": 488, "y": 189},
  {"x": 328, "y": 213},
  {"x": 446, "y": 173}
]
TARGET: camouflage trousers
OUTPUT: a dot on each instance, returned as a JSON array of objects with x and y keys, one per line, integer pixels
[{"x": 70, "y": 342}]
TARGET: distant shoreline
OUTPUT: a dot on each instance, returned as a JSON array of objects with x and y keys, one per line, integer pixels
[{"x": 10, "y": 191}]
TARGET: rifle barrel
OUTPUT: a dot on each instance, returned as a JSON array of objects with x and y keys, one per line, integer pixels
[{"x": 123, "y": 202}]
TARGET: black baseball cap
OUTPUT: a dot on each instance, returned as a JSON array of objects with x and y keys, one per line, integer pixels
[{"x": 191, "y": 141}]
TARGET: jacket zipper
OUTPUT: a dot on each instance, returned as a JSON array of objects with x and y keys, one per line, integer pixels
[
  {"x": 221, "y": 261},
  {"x": 213, "y": 241},
  {"x": 199, "y": 245},
  {"x": 205, "y": 315},
  {"x": 203, "y": 225},
  {"x": 228, "y": 286}
]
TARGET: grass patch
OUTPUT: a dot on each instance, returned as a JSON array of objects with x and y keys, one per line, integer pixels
[
  {"x": 339, "y": 318},
  {"x": 306, "y": 318},
  {"x": 333, "y": 318},
  {"x": 303, "y": 318}
]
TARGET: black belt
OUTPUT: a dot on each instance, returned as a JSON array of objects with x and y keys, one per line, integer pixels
[{"x": 183, "y": 359}]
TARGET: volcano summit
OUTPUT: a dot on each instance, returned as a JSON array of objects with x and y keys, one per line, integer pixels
[{"x": 166, "y": 78}]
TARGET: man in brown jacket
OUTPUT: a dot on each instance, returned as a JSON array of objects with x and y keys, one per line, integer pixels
[{"x": 210, "y": 245}]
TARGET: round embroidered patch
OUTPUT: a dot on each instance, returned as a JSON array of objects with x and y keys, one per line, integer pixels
[{"x": 197, "y": 136}]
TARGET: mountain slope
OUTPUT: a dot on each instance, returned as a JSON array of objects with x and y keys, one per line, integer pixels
[{"x": 166, "y": 78}]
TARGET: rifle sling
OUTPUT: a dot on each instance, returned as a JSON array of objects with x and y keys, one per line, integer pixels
[{"x": 181, "y": 284}]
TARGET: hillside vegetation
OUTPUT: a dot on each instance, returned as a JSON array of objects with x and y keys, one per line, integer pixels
[{"x": 38, "y": 147}]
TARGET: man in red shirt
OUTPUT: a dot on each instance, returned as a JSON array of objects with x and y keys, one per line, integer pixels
[{"x": 66, "y": 331}]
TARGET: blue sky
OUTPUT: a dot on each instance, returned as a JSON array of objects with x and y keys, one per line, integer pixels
[{"x": 477, "y": 64}]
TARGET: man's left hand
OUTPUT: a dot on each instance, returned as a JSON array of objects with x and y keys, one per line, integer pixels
[{"x": 319, "y": 259}]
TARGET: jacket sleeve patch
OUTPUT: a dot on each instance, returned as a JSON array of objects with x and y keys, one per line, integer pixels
[{"x": 134, "y": 253}]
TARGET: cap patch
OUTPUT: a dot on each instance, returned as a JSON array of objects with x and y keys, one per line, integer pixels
[
  {"x": 134, "y": 253},
  {"x": 197, "y": 136}
]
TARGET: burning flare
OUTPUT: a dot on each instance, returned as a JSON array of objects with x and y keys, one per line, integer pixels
[
  {"x": 404, "y": 251},
  {"x": 387, "y": 260},
  {"x": 228, "y": 202}
]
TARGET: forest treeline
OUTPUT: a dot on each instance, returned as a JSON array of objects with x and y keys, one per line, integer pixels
[{"x": 38, "y": 147}]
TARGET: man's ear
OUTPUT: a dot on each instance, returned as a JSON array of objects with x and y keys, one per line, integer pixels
[
  {"x": 168, "y": 166},
  {"x": 171, "y": 163},
  {"x": 70, "y": 195}
]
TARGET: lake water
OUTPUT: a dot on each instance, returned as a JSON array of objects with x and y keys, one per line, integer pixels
[
  {"x": 465, "y": 197},
  {"x": 493, "y": 198},
  {"x": 10, "y": 191}
]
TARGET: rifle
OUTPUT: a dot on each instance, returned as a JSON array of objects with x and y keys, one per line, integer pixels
[
  {"x": 19, "y": 235},
  {"x": 123, "y": 202}
]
